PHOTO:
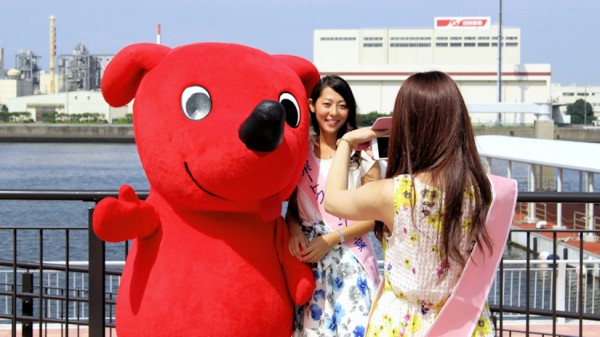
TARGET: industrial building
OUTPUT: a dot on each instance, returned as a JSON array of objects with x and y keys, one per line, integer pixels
[{"x": 376, "y": 61}]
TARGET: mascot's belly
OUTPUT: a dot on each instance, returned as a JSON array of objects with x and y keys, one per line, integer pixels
[{"x": 224, "y": 280}]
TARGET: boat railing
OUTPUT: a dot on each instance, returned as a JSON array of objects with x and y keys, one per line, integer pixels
[
  {"x": 580, "y": 221},
  {"x": 77, "y": 296}
]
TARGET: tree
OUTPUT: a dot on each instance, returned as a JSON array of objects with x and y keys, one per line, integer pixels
[
  {"x": 49, "y": 116},
  {"x": 576, "y": 111},
  {"x": 368, "y": 119}
]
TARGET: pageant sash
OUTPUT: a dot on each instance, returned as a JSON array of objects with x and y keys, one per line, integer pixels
[
  {"x": 461, "y": 312},
  {"x": 312, "y": 185}
]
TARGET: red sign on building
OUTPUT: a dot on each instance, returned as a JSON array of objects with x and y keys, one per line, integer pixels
[{"x": 462, "y": 22}]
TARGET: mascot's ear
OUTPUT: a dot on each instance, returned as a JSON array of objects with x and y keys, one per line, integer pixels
[
  {"x": 125, "y": 71},
  {"x": 307, "y": 72}
]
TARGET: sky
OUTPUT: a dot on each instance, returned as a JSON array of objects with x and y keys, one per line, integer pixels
[{"x": 562, "y": 33}]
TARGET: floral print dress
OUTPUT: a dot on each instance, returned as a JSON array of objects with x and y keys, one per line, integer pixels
[
  {"x": 417, "y": 282},
  {"x": 344, "y": 292}
]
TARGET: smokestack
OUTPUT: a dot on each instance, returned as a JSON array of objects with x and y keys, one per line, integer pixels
[
  {"x": 1, "y": 62},
  {"x": 158, "y": 34},
  {"x": 52, "y": 53}
]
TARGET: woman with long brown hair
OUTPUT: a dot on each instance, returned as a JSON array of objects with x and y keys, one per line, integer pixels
[{"x": 431, "y": 208}]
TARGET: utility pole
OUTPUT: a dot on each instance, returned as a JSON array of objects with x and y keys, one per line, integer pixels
[
  {"x": 585, "y": 106},
  {"x": 499, "y": 119}
]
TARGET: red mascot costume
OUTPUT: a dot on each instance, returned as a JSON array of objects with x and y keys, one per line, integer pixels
[{"x": 222, "y": 132}]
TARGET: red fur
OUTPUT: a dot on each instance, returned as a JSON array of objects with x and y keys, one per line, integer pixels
[{"x": 204, "y": 263}]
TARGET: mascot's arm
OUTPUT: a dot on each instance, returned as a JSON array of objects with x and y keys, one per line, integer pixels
[
  {"x": 299, "y": 275},
  {"x": 126, "y": 218}
]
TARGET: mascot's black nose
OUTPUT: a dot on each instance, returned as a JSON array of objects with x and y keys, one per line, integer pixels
[{"x": 263, "y": 129}]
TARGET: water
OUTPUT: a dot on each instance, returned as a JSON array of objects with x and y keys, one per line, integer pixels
[
  {"x": 70, "y": 166},
  {"x": 60, "y": 166}
]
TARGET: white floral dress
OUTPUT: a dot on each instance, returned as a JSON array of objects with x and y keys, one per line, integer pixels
[
  {"x": 344, "y": 293},
  {"x": 414, "y": 291}
]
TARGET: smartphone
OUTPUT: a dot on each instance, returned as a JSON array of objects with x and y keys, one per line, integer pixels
[
  {"x": 379, "y": 146},
  {"x": 382, "y": 123}
]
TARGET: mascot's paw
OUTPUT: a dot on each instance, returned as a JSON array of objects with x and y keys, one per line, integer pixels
[
  {"x": 299, "y": 275},
  {"x": 300, "y": 280},
  {"x": 126, "y": 218}
]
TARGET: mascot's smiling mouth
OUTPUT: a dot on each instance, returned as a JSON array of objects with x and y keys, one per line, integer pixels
[{"x": 187, "y": 169}]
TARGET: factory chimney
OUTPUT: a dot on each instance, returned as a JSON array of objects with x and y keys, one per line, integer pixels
[
  {"x": 158, "y": 34},
  {"x": 1, "y": 62},
  {"x": 52, "y": 53}
]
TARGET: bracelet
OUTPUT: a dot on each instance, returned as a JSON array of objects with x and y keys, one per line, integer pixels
[
  {"x": 342, "y": 238},
  {"x": 344, "y": 139}
]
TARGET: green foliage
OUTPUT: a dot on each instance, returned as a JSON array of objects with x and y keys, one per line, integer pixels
[
  {"x": 576, "y": 111},
  {"x": 128, "y": 119},
  {"x": 3, "y": 108},
  {"x": 368, "y": 119},
  {"x": 15, "y": 117},
  {"x": 82, "y": 118},
  {"x": 48, "y": 116}
]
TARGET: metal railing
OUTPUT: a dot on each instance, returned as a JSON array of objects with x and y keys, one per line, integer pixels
[{"x": 78, "y": 297}]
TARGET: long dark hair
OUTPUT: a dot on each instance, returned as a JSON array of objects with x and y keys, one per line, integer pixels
[
  {"x": 342, "y": 87},
  {"x": 431, "y": 132}
]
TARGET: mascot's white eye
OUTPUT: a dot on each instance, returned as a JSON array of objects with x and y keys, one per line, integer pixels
[
  {"x": 195, "y": 103},
  {"x": 292, "y": 112}
]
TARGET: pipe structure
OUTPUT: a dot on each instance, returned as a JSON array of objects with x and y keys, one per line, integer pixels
[
  {"x": 158, "y": 34},
  {"x": 52, "y": 53}
]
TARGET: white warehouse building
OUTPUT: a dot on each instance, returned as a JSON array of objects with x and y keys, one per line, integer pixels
[{"x": 376, "y": 61}]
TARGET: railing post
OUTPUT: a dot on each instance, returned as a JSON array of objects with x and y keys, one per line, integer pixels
[
  {"x": 27, "y": 305},
  {"x": 561, "y": 288},
  {"x": 96, "y": 260}
]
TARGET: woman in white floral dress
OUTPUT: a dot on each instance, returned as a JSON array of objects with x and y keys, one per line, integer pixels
[
  {"x": 340, "y": 253},
  {"x": 432, "y": 205}
]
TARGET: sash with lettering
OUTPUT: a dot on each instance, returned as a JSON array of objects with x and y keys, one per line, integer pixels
[
  {"x": 461, "y": 312},
  {"x": 312, "y": 185}
]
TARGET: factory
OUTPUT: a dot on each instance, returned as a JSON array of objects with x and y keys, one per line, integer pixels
[{"x": 376, "y": 61}]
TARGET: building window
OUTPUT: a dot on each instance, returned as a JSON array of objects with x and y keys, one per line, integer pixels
[
  {"x": 512, "y": 44},
  {"x": 568, "y": 94},
  {"x": 456, "y": 38},
  {"x": 512, "y": 38},
  {"x": 483, "y": 44},
  {"x": 410, "y": 38},
  {"x": 373, "y": 38},
  {"x": 338, "y": 38},
  {"x": 373, "y": 45},
  {"x": 455, "y": 44},
  {"x": 469, "y": 37},
  {"x": 442, "y": 38},
  {"x": 441, "y": 44},
  {"x": 469, "y": 44},
  {"x": 409, "y": 45},
  {"x": 483, "y": 38}
]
